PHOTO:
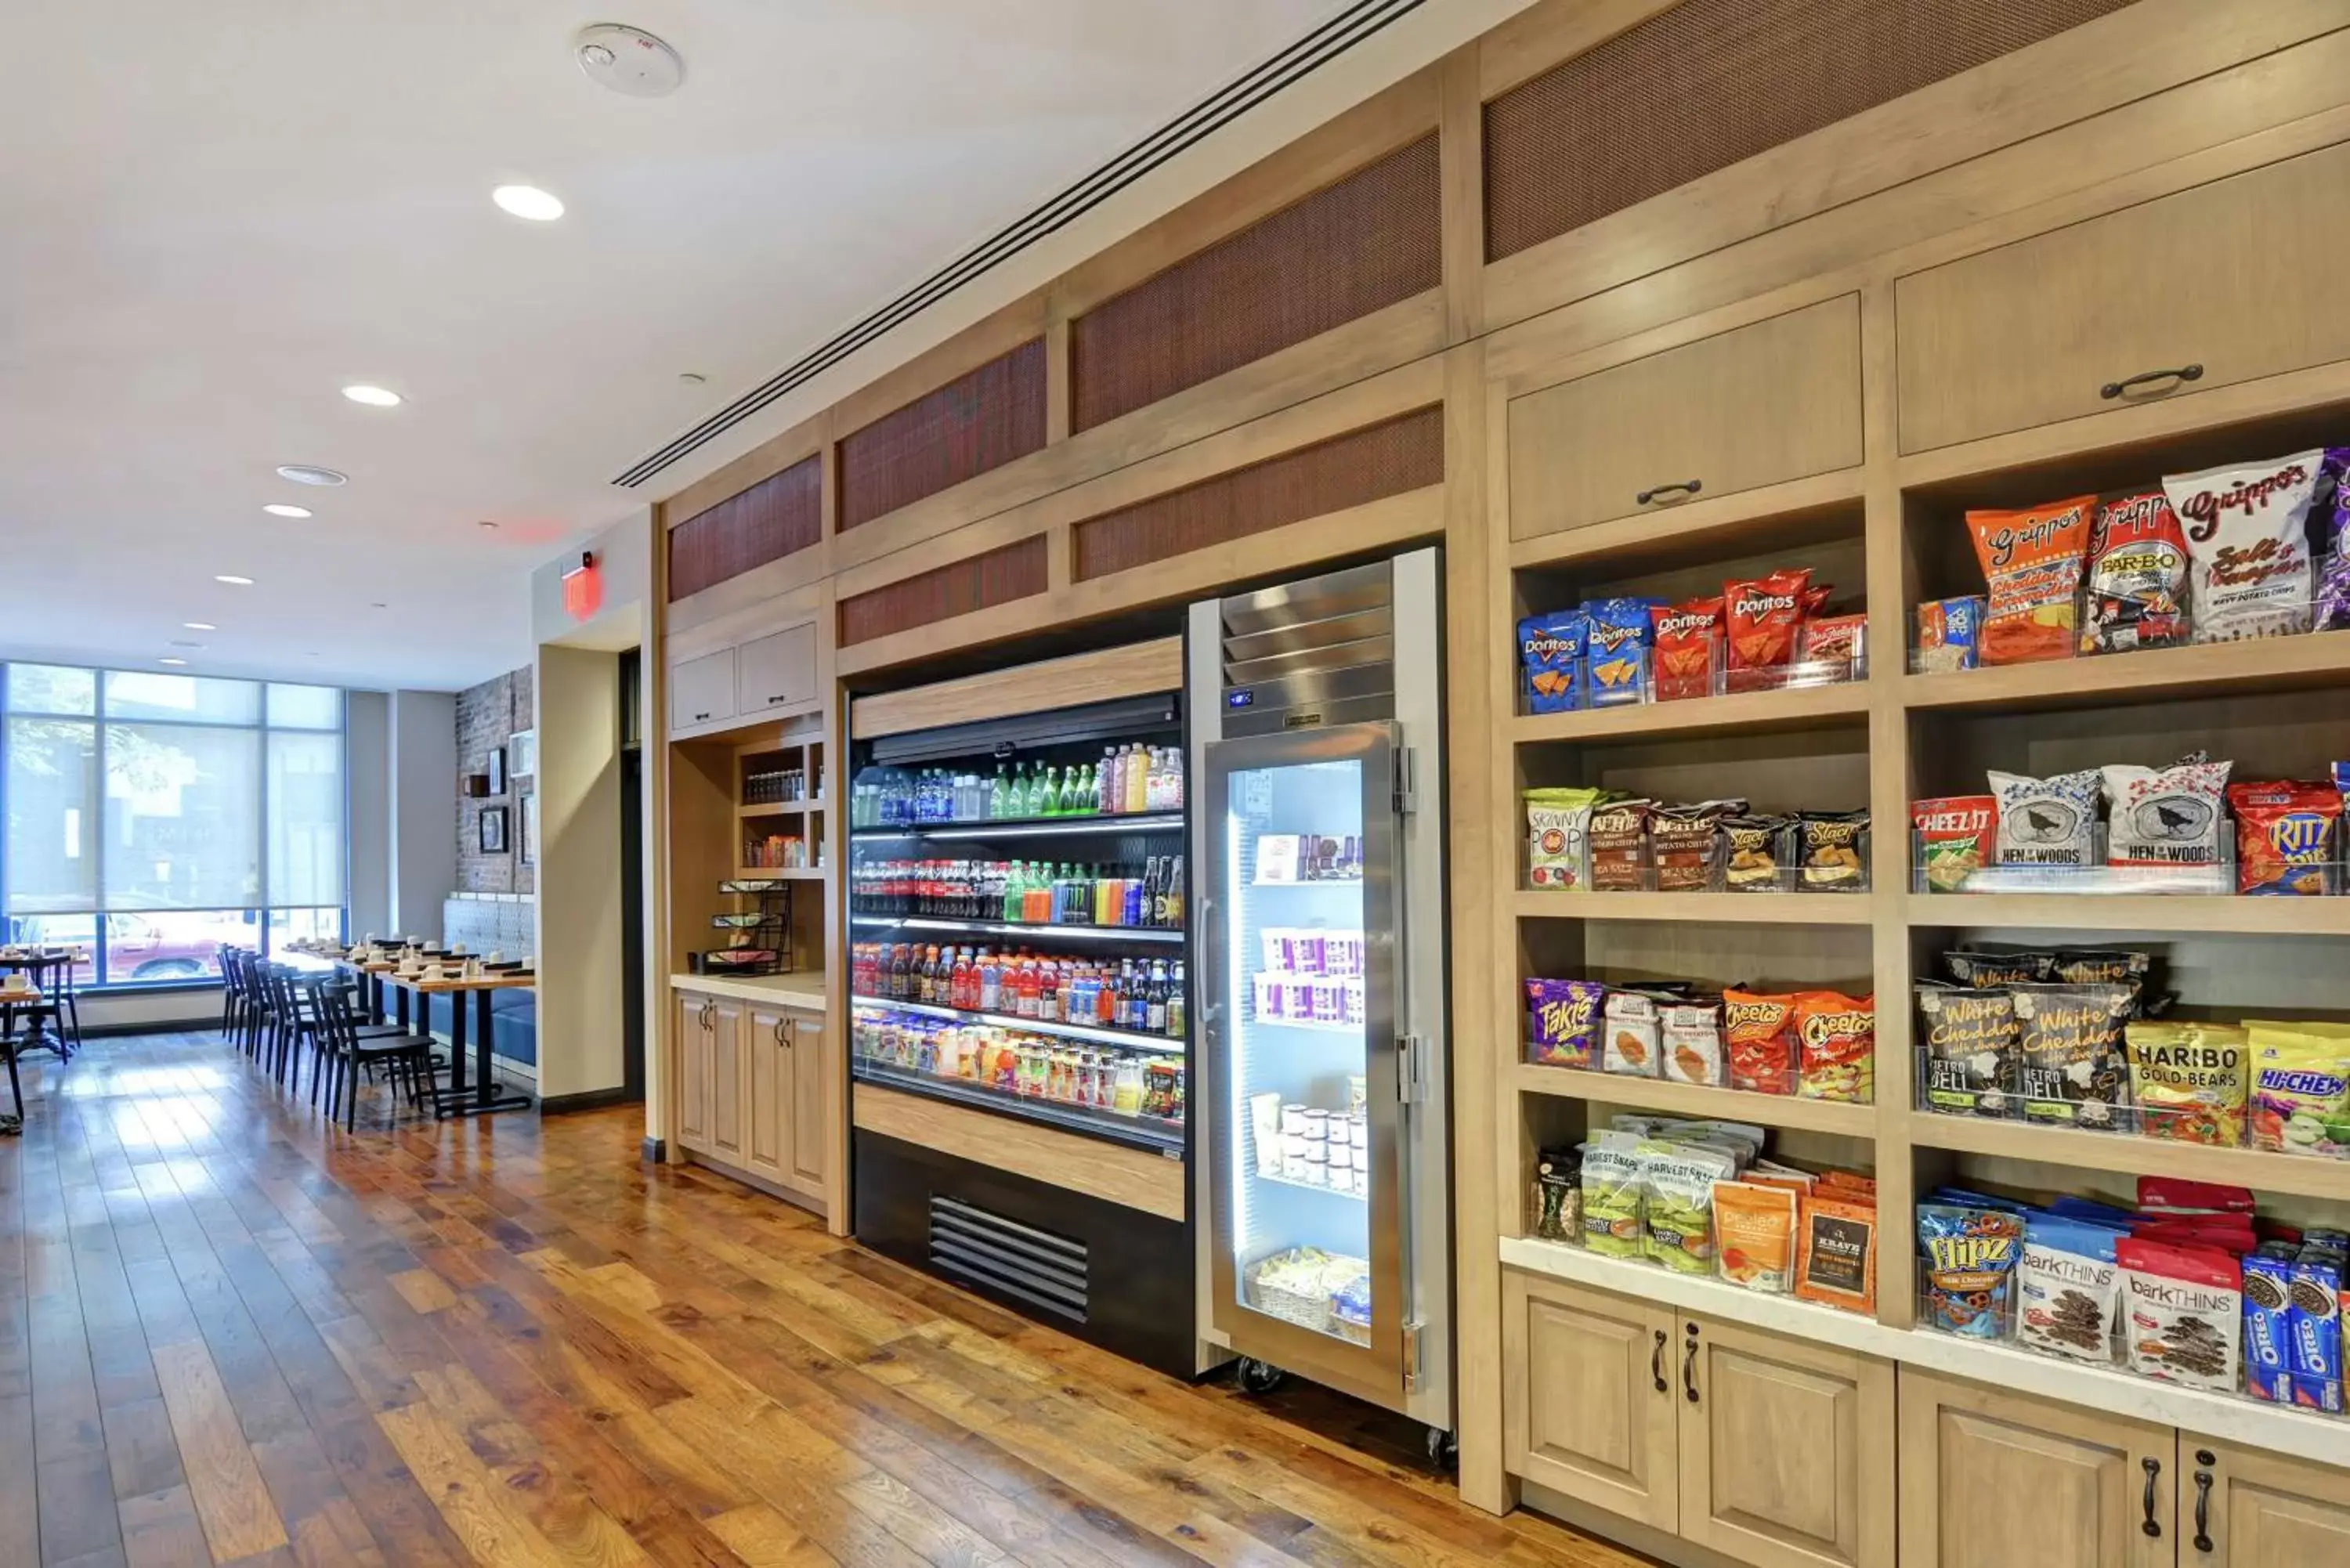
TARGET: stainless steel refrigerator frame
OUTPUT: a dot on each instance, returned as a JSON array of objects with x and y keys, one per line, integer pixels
[{"x": 1408, "y": 1366}]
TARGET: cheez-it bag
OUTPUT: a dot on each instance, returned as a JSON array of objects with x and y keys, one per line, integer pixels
[{"x": 2032, "y": 560}]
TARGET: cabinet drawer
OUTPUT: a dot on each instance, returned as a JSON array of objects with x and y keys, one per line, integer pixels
[
  {"x": 1776, "y": 400},
  {"x": 777, "y": 672},
  {"x": 701, "y": 690},
  {"x": 1588, "y": 1403},
  {"x": 2241, "y": 276}
]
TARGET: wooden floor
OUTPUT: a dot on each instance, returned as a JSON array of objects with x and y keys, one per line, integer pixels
[{"x": 229, "y": 1334}]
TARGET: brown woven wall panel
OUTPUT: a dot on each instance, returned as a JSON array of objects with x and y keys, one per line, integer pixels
[
  {"x": 1710, "y": 82},
  {"x": 780, "y": 513},
  {"x": 1364, "y": 466},
  {"x": 977, "y": 583},
  {"x": 1347, "y": 250},
  {"x": 979, "y": 421}
]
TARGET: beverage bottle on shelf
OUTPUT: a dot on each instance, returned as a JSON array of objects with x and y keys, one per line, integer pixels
[
  {"x": 1138, "y": 780},
  {"x": 1089, "y": 802},
  {"x": 1105, "y": 780},
  {"x": 1016, "y": 888},
  {"x": 1130, "y": 902},
  {"x": 1175, "y": 1003},
  {"x": 1031, "y": 986},
  {"x": 1048, "y": 993},
  {"x": 900, "y": 970},
  {"x": 1105, "y": 895},
  {"x": 1174, "y": 778},
  {"x": 1170, "y": 914},
  {"x": 990, "y": 978},
  {"x": 958, "y": 980},
  {"x": 1154, "y": 1021},
  {"x": 1129, "y": 995},
  {"x": 1145, "y": 908},
  {"x": 996, "y": 792},
  {"x": 1154, "y": 780}
]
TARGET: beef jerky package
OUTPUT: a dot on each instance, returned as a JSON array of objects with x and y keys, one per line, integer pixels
[
  {"x": 2138, "y": 575},
  {"x": 2165, "y": 816},
  {"x": 1973, "y": 1061},
  {"x": 1754, "y": 853},
  {"x": 2070, "y": 1038},
  {"x": 2247, "y": 539},
  {"x": 2047, "y": 822},
  {"x": 2068, "y": 1289},
  {"x": 2186, "y": 1310},
  {"x": 1619, "y": 837}
]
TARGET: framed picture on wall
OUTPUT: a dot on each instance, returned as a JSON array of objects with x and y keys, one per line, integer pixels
[
  {"x": 494, "y": 830},
  {"x": 522, "y": 754},
  {"x": 497, "y": 770},
  {"x": 529, "y": 803}
]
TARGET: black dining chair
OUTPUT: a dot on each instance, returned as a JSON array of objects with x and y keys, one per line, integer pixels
[{"x": 346, "y": 1050}]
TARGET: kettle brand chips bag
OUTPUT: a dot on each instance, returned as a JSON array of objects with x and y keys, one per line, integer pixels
[
  {"x": 2138, "y": 575},
  {"x": 2032, "y": 559},
  {"x": 2246, "y": 538}
]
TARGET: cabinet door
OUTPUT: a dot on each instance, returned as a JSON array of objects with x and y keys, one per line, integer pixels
[
  {"x": 1588, "y": 1404},
  {"x": 1786, "y": 1448},
  {"x": 1991, "y": 1479},
  {"x": 701, "y": 690},
  {"x": 1776, "y": 400},
  {"x": 694, "y": 1096},
  {"x": 2241, "y": 1507},
  {"x": 2241, "y": 276},
  {"x": 726, "y": 1075},
  {"x": 766, "y": 1145},
  {"x": 809, "y": 1107},
  {"x": 777, "y": 672}
]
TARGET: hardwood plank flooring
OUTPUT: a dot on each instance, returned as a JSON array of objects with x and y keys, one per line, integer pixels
[{"x": 231, "y": 1333}]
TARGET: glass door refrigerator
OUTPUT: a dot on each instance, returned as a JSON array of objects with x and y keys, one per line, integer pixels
[{"x": 1324, "y": 1163}]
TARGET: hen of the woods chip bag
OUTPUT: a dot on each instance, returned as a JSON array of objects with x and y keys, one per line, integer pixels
[
  {"x": 2032, "y": 561},
  {"x": 2165, "y": 816},
  {"x": 2046, "y": 822},
  {"x": 2247, "y": 540}
]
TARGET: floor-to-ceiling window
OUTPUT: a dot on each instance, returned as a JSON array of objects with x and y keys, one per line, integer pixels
[{"x": 153, "y": 816}]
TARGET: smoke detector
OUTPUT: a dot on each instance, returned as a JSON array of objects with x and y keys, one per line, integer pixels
[
  {"x": 307, "y": 474},
  {"x": 627, "y": 60}
]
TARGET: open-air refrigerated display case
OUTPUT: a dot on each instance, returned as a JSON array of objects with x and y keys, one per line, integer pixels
[
  {"x": 1017, "y": 917},
  {"x": 1323, "y": 1162}
]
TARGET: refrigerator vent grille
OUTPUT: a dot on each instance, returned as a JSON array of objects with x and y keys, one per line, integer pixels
[
  {"x": 1047, "y": 1271},
  {"x": 1310, "y": 653}
]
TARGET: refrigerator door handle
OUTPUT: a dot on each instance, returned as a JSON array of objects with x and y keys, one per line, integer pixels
[
  {"x": 1411, "y": 1087},
  {"x": 1407, "y": 797}
]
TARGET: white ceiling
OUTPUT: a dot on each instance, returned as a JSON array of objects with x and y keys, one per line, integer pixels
[{"x": 213, "y": 216}]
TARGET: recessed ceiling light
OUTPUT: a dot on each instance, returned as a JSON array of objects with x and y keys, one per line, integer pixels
[
  {"x": 199, "y": 626},
  {"x": 171, "y": 662},
  {"x": 280, "y": 509},
  {"x": 528, "y": 202},
  {"x": 373, "y": 397},
  {"x": 233, "y": 580},
  {"x": 378, "y": 604},
  {"x": 486, "y": 522},
  {"x": 307, "y": 474}
]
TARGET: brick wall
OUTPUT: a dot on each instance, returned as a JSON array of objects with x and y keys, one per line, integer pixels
[{"x": 487, "y": 716}]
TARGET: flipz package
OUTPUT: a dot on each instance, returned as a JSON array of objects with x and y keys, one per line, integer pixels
[
  {"x": 1550, "y": 650},
  {"x": 1970, "y": 1256},
  {"x": 1616, "y": 652}
]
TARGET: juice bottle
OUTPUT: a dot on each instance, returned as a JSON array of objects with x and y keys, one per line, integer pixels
[
  {"x": 1175, "y": 1009},
  {"x": 1137, "y": 779},
  {"x": 1126, "y": 1094},
  {"x": 1031, "y": 985},
  {"x": 1105, "y": 780},
  {"x": 959, "y": 985}
]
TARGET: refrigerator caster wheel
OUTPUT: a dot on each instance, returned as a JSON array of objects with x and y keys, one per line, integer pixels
[
  {"x": 1259, "y": 1376},
  {"x": 1443, "y": 1450}
]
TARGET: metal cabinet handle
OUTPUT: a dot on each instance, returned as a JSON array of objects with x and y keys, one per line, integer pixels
[
  {"x": 698, "y": 718},
  {"x": 2202, "y": 1508},
  {"x": 2113, "y": 390},
  {"x": 1682, "y": 488},
  {"x": 2153, "y": 1479},
  {"x": 772, "y": 700},
  {"x": 1657, "y": 1365},
  {"x": 779, "y": 1034},
  {"x": 1689, "y": 1366}
]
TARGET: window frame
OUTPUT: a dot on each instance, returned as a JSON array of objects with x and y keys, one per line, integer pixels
[{"x": 262, "y": 729}]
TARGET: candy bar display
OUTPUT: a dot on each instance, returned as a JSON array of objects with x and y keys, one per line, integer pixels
[
  {"x": 2192, "y": 1287},
  {"x": 2124, "y": 828},
  {"x": 1813, "y": 1044},
  {"x": 2075, "y": 1038},
  {"x": 1607, "y": 841},
  {"x": 2241, "y": 550},
  {"x": 1698, "y": 1198},
  {"x": 1758, "y": 634}
]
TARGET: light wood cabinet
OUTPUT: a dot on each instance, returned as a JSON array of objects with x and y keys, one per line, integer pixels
[
  {"x": 1991, "y": 1479},
  {"x": 769, "y": 1047},
  {"x": 726, "y": 1067},
  {"x": 810, "y": 1105},
  {"x": 1590, "y": 1411},
  {"x": 1786, "y": 1448},
  {"x": 2241, "y": 276},
  {"x": 2241, "y": 1507},
  {"x": 702, "y": 691},
  {"x": 694, "y": 1081},
  {"x": 778, "y": 671},
  {"x": 1776, "y": 400}
]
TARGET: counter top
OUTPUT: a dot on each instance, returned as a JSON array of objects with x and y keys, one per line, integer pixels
[{"x": 804, "y": 988}]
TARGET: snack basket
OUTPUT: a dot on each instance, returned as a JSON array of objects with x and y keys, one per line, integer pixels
[
  {"x": 2216, "y": 879},
  {"x": 1307, "y": 1308}
]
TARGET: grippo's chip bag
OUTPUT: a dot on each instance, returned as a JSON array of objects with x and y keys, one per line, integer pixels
[{"x": 2032, "y": 559}]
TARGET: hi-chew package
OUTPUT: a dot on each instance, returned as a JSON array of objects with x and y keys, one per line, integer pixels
[{"x": 2032, "y": 559}]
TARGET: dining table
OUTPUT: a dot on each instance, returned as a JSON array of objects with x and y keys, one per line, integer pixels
[{"x": 390, "y": 983}]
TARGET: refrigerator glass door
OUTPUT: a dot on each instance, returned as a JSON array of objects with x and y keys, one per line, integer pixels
[{"x": 1302, "y": 975}]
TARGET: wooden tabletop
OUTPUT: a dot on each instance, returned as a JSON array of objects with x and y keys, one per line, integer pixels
[{"x": 503, "y": 982}]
